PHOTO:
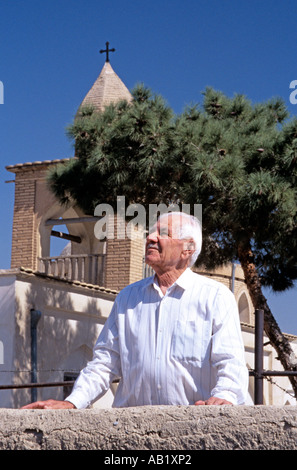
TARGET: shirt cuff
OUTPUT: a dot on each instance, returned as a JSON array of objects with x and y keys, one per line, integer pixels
[
  {"x": 78, "y": 400},
  {"x": 226, "y": 395}
]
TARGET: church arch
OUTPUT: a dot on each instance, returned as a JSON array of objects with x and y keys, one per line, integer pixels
[{"x": 244, "y": 309}]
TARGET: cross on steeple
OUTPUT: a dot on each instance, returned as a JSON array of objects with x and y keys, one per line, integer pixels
[{"x": 107, "y": 50}]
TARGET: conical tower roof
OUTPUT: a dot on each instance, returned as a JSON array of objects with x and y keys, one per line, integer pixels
[{"x": 107, "y": 89}]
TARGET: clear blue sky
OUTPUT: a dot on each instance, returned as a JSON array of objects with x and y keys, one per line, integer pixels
[{"x": 49, "y": 58}]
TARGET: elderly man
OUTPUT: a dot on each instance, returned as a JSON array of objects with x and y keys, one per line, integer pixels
[{"x": 171, "y": 339}]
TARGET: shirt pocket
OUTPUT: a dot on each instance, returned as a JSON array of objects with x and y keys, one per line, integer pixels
[{"x": 185, "y": 345}]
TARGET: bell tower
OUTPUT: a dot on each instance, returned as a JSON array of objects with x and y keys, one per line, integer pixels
[{"x": 115, "y": 262}]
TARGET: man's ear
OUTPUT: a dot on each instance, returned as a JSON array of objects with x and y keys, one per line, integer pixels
[
  {"x": 188, "y": 249},
  {"x": 189, "y": 245}
]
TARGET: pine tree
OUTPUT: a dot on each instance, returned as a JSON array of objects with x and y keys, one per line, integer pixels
[
  {"x": 242, "y": 168},
  {"x": 236, "y": 159},
  {"x": 124, "y": 151}
]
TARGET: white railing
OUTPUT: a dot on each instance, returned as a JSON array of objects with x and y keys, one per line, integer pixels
[{"x": 82, "y": 268}]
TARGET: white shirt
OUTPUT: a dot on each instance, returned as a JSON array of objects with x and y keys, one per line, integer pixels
[{"x": 171, "y": 349}]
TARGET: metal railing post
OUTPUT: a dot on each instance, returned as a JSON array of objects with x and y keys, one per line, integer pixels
[
  {"x": 35, "y": 317},
  {"x": 259, "y": 331}
]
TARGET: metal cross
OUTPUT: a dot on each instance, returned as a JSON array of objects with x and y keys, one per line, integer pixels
[{"x": 107, "y": 50}]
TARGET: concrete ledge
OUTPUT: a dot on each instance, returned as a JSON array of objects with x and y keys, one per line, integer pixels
[{"x": 151, "y": 428}]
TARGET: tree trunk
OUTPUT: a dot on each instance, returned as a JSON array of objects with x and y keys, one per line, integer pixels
[{"x": 276, "y": 337}]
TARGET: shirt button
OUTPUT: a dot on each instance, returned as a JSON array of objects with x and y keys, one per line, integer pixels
[{"x": 159, "y": 387}]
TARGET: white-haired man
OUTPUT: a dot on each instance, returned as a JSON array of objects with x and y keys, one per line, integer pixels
[{"x": 171, "y": 339}]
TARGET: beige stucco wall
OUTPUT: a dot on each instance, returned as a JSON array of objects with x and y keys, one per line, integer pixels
[
  {"x": 232, "y": 276},
  {"x": 72, "y": 318},
  {"x": 279, "y": 392}
]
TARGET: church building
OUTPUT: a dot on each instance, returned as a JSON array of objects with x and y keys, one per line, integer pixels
[{"x": 54, "y": 305}]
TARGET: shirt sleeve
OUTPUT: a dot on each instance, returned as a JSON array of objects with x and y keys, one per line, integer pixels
[
  {"x": 95, "y": 379},
  {"x": 227, "y": 352}
]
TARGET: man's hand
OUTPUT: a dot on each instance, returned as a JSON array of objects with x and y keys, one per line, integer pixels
[
  {"x": 49, "y": 405},
  {"x": 213, "y": 401}
]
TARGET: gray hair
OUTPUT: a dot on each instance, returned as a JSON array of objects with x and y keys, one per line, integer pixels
[{"x": 189, "y": 228}]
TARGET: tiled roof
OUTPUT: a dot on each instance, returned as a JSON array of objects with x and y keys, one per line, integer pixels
[
  {"x": 29, "y": 165},
  {"x": 31, "y": 272},
  {"x": 107, "y": 89}
]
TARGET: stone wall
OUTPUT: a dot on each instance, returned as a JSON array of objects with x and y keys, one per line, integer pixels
[{"x": 163, "y": 428}]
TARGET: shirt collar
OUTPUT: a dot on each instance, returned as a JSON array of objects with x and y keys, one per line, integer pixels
[{"x": 183, "y": 281}]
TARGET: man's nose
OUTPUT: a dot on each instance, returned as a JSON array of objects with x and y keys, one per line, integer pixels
[{"x": 152, "y": 236}]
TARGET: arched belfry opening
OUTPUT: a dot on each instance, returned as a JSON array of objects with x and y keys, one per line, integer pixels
[
  {"x": 68, "y": 247},
  {"x": 41, "y": 224}
]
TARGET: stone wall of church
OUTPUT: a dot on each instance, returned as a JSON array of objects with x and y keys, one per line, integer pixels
[
  {"x": 232, "y": 277},
  {"x": 32, "y": 199},
  {"x": 30, "y": 237},
  {"x": 23, "y": 241},
  {"x": 124, "y": 256}
]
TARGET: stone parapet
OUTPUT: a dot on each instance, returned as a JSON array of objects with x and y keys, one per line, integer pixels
[{"x": 164, "y": 428}]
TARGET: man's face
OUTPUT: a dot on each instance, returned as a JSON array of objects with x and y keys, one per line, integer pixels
[{"x": 163, "y": 249}]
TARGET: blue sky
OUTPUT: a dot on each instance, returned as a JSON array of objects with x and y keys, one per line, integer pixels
[{"x": 49, "y": 59}]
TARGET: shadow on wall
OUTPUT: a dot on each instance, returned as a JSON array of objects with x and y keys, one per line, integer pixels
[{"x": 66, "y": 333}]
